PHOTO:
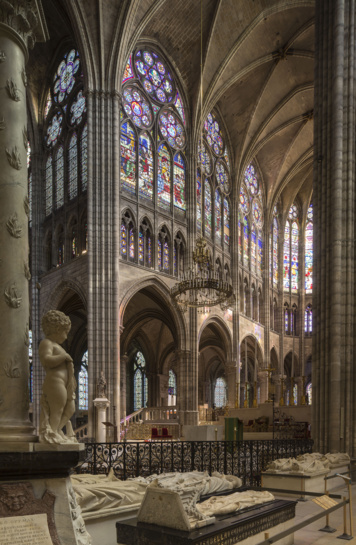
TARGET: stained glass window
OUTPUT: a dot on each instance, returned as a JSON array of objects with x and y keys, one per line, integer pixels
[
  {"x": 64, "y": 78},
  {"x": 171, "y": 129},
  {"x": 54, "y": 130},
  {"x": 165, "y": 256},
  {"x": 128, "y": 73},
  {"x": 172, "y": 383},
  {"x": 141, "y": 248},
  {"x": 222, "y": 176},
  {"x": 145, "y": 167},
  {"x": 179, "y": 106},
  {"x": 286, "y": 257},
  {"x": 59, "y": 178},
  {"x": 207, "y": 209},
  {"x": 275, "y": 252},
  {"x": 204, "y": 158},
  {"x": 123, "y": 245},
  {"x": 140, "y": 382},
  {"x": 257, "y": 212},
  {"x": 199, "y": 200},
  {"x": 73, "y": 167},
  {"x": 286, "y": 320},
  {"x": 128, "y": 157},
  {"x": 179, "y": 181},
  {"x": 259, "y": 254},
  {"x": 83, "y": 384},
  {"x": 226, "y": 157},
  {"x": 294, "y": 256},
  {"x": 244, "y": 200},
  {"x": 74, "y": 245},
  {"x": 239, "y": 235},
  {"x": 132, "y": 244},
  {"x": 217, "y": 216},
  {"x": 164, "y": 177},
  {"x": 246, "y": 242},
  {"x": 308, "y": 320},
  {"x": 84, "y": 158},
  {"x": 309, "y": 251},
  {"x": 154, "y": 75},
  {"x": 149, "y": 251},
  {"x": 78, "y": 108},
  {"x": 137, "y": 108},
  {"x": 227, "y": 222},
  {"x": 213, "y": 134},
  {"x": 253, "y": 248},
  {"x": 49, "y": 186},
  {"x": 251, "y": 180},
  {"x": 220, "y": 398},
  {"x": 309, "y": 391},
  {"x": 159, "y": 248}
]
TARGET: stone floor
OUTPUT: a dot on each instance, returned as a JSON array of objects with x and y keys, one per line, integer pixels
[{"x": 311, "y": 535}]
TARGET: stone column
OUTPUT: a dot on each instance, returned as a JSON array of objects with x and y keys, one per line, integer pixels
[
  {"x": 101, "y": 404},
  {"x": 123, "y": 369},
  {"x": 18, "y": 23},
  {"x": 231, "y": 379},
  {"x": 263, "y": 381},
  {"x": 299, "y": 382},
  {"x": 333, "y": 377}
]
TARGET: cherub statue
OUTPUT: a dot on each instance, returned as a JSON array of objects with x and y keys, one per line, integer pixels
[{"x": 58, "y": 390}]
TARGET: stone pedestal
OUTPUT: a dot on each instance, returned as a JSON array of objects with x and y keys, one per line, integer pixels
[
  {"x": 101, "y": 404},
  {"x": 38, "y": 483}
]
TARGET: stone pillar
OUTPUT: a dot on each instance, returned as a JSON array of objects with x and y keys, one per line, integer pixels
[
  {"x": 101, "y": 404},
  {"x": 333, "y": 377},
  {"x": 231, "y": 380},
  {"x": 123, "y": 370},
  {"x": 263, "y": 382},
  {"x": 299, "y": 382},
  {"x": 18, "y": 23}
]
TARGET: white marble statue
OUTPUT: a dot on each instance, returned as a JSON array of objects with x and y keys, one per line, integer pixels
[
  {"x": 223, "y": 505},
  {"x": 304, "y": 464},
  {"x": 58, "y": 390},
  {"x": 108, "y": 494}
]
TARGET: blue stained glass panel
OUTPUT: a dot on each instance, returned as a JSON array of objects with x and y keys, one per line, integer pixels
[
  {"x": 286, "y": 257},
  {"x": 123, "y": 245},
  {"x": 128, "y": 158},
  {"x": 171, "y": 129},
  {"x": 204, "y": 158},
  {"x": 77, "y": 109},
  {"x": 59, "y": 178},
  {"x": 64, "y": 78},
  {"x": 244, "y": 200},
  {"x": 132, "y": 244},
  {"x": 73, "y": 167},
  {"x": 172, "y": 383},
  {"x": 179, "y": 181},
  {"x": 54, "y": 130},
  {"x": 294, "y": 256},
  {"x": 164, "y": 177},
  {"x": 217, "y": 216},
  {"x": 154, "y": 75},
  {"x": 275, "y": 252},
  {"x": 145, "y": 167},
  {"x": 207, "y": 209},
  {"x": 251, "y": 180},
  {"x": 227, "y": 222},
  {"x": 213, "y": 134},
  {"x": 259, "y": 254},
  {"x": 239, "y": 227},
  {"x": 220, "y": 398},
  {"x": 222, "y": 177},
  {"x": 309, "y": 258},
  {"x": 159, "y": 248},
  {"x": 166, "y": 257},
  {"x": 253, "y": 249},
  {"x": 141, "y": 248},
  {"x": 246, "y": 243},
  {"x": 199, "y": 199},
  {"x": 49, "y": 186},
  {"x": 83, "y": 384},
  {"x": 137, "y": 108}
]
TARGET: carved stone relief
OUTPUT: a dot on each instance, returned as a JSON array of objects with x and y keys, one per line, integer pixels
[
  {"x": 27, "y": 271},
  {"x": 14, "y": 158},
  {"x": 14, "y": 227},
  {"x": 13, "y": 297},
  {"x": 2, "y": 124},
  {"x": 2, "y": 56},
  {"x": 12, "y": 90},
  {"x": 83, "y": 538},
  {"x": 11, "y": 369},
  {"x": 26, "y": 205},
  {"x": 19, "y": 500}
]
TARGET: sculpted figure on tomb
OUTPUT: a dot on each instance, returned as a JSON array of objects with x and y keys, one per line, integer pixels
[{"x": 58, "y": 390}]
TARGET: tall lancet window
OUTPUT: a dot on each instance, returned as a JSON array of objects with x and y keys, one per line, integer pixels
[
  {"x": 140, "y": 384},
  {"x": 291, "y": 251},
  {"x": 250, "y": 223},
  {"x": 65, "y": 141},
  {"x": 153, "y": 137},
  {"x": 309, "y": 251},
  {"x": 212, "y": 197},
  {"x": 273, "y": 247},
  {"x": 83, "y": 384}
]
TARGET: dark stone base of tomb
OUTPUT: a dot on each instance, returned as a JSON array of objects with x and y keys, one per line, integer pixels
[
  {"x": 227, "y": 530},
  {"x": 38, "y": 465}
]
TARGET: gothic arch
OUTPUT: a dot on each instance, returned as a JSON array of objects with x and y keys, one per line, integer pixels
[{"x": 55, "y": 297}]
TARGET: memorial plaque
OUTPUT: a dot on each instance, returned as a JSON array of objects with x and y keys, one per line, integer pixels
[
  {"x": 25, "y": 530},
  {"x": 17, "y": 500}
]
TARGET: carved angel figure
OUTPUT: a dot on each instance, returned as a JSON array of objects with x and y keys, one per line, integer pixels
[{"x": 58, "y": 390}]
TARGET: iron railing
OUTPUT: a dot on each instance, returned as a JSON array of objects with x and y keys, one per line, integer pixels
[{"x": 245, "y": 459}]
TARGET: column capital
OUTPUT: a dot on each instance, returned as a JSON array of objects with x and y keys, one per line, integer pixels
[
  {"x": 101, "y": 403},
  {"x": 26, "y": 20}
]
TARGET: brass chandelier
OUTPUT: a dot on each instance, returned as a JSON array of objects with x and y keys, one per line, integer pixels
[{"x": 200, "y": 287}]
